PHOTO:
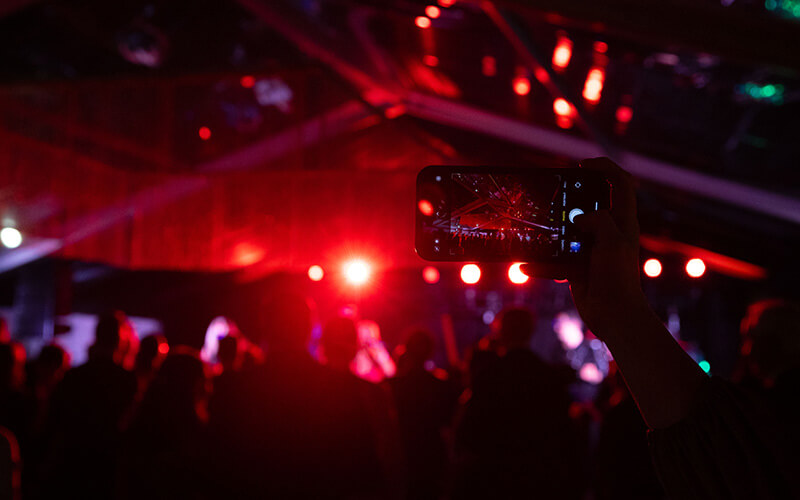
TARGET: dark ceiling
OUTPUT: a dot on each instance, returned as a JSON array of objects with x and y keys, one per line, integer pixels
[{"x": 355, "y": 85}]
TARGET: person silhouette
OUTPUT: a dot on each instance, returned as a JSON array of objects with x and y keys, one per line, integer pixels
[{"x": 83, "y": 427}]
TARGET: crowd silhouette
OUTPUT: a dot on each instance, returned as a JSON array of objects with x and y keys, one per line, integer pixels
[{"x": 270, "y": 420}]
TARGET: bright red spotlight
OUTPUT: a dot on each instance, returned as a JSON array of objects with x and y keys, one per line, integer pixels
[
  {"x": 600, "y": 47},
  {"x": 522, "y": 86},
  {"x": 315, "y": 273},
  {"x": 562, "y": 53},
  {"x": 516, "y": 275},
  {"x": 247, "y": 81},
  {"x": 489, "y": 66},
  {"x": 395, "y": 111},
  {"x": 204, "y": 133},
  {"x": 593, "y": 86},
  {"x": 652, "y": 268},
  {"x": 447, "y": 3},
  {"x": 562, "y": 107},
  {"x": 624, "y": 114},
  {"x": 432, "y": 11},
  {"x": 470, "y": 274},
  {"x": 357, "y": 272},
  {"x": 695, "y": 268},
  {"x": 430, "y": 60},
  {"x": 425, "y": 207},
  {"x": 422, "y": 22},
  {"x": 430, "y": 274},
  {"x": 163, "y": 348}
]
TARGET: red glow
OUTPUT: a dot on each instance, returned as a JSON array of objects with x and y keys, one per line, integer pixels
[
  {"x": 470, "y": 274},
  {"x": 624, "y": 114},
  {"x": 430, "y": 60},
  {"x": 430, "y": 274},
  {"x": 425, "y": 207},
  {"x": 522, "y": 86},
  {"x": 695, "y": 267},
  {"x": 163, "y": 348},
  {"x": 247, "y": 81},
  {"x": 600, "y": 47},
  {"x": 562, "y": 53},
  {"x": 541, "y": 75},
  {"x": 447, "y": 3},
  {"x": 562, "y": 107},
  {"x": 393, "y": 112},
  {"x": 652, "y": 268},
  {"x": 516, "y": 275},
  {"x": 594, "y": 85},
  {"x": 315, "y": 273},
  {"x": 357, "y": 272},
  {"x": 432, "y": 11},
  {"x": 204, "y": 133},
  {"x": 422, "y": 22},
  {"x": 489, "y": 66}
]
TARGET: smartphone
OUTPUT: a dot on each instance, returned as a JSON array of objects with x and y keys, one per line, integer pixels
[{"x": 497, "y": 214}]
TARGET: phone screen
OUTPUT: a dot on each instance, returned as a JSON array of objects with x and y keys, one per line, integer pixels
[{"x": 475, "y": 213}]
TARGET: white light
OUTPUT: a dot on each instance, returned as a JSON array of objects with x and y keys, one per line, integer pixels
[
  {"x": 357, "y": 272},
  {"x": 470, "y": 274},
  {"x": 516, "y": 275},
  {"x": 10, "y": 237},
  {"x": 695, "y": 268}
]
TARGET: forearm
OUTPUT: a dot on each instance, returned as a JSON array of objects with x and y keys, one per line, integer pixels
[{"x": 662, "y": 378}]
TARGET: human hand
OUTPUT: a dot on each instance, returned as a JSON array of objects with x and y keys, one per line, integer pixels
[{"x": 609, "y": 288}]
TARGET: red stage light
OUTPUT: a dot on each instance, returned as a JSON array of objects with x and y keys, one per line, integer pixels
[
  {"x": 562, "y": 107},
  {"x": 425, "y": 207},
  {"x": 652, "y": 268},
  {"x": 357, "y": 272},
  {"x": 422, "y": 22},
  {"x": 430, "y": 274},
  {"x": 593, "y": 86},
  {"x": 430, "y": 60},
  {"x": 447, "y": 3},
  {"x": 516, "y": 275},
  {"x": 600, "y": 47},
  {"x": 470, "y": 274},
  {"x": 315, "y": 273},
  {"x": 624, "y": 114},
  {"x": 163, "y": 348},
  {"x": 489, "y": 66},
  {"x": 562, "y": 53},
  {"x": 204, "y": 133},
  {"x": 695, "y": 268},
  {"x": 432, "y": 11},
  {"x": 522, "y": 86},
  {"x": 247, "y": 81}
]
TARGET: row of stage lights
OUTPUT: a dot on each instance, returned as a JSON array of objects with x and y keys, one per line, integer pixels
[
  {"x": 358, "y": 272},
  {"x": 562, "y": 55}
]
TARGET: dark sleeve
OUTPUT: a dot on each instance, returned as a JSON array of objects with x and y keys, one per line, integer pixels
[{"x": 731, "y": 446}]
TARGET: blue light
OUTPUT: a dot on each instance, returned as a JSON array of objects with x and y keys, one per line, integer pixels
[{"x": 574, "y": 246}]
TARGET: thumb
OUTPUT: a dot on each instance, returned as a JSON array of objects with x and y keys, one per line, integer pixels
[{"x": 599, "y": 224}]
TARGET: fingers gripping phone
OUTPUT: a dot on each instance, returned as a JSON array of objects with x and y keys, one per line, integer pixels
[{"x": 495, "y": 214}]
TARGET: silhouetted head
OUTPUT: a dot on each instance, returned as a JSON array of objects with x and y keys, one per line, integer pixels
[
  {"x": 12, "y": 366},
  {"x": 516, "y": 328},
  {"x": 340, "y": 341},
  {"x": 419, "y": 347},
  {"x": 177, "y": 392},
  {"x": 228, "y": 352},
  {"x": 771, "y": 338},
  {"x": 152, "y": 351},
  {"x": 107, "y": 337},
  {"x": 51, "y": 364},
  {"x": 288, "y": 323}
]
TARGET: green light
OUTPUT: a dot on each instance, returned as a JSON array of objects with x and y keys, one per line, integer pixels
[
  {"x": 768, "y": 91},
  {"x": 705, "y": 366},
  {"x": 771, "y": 4}
]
